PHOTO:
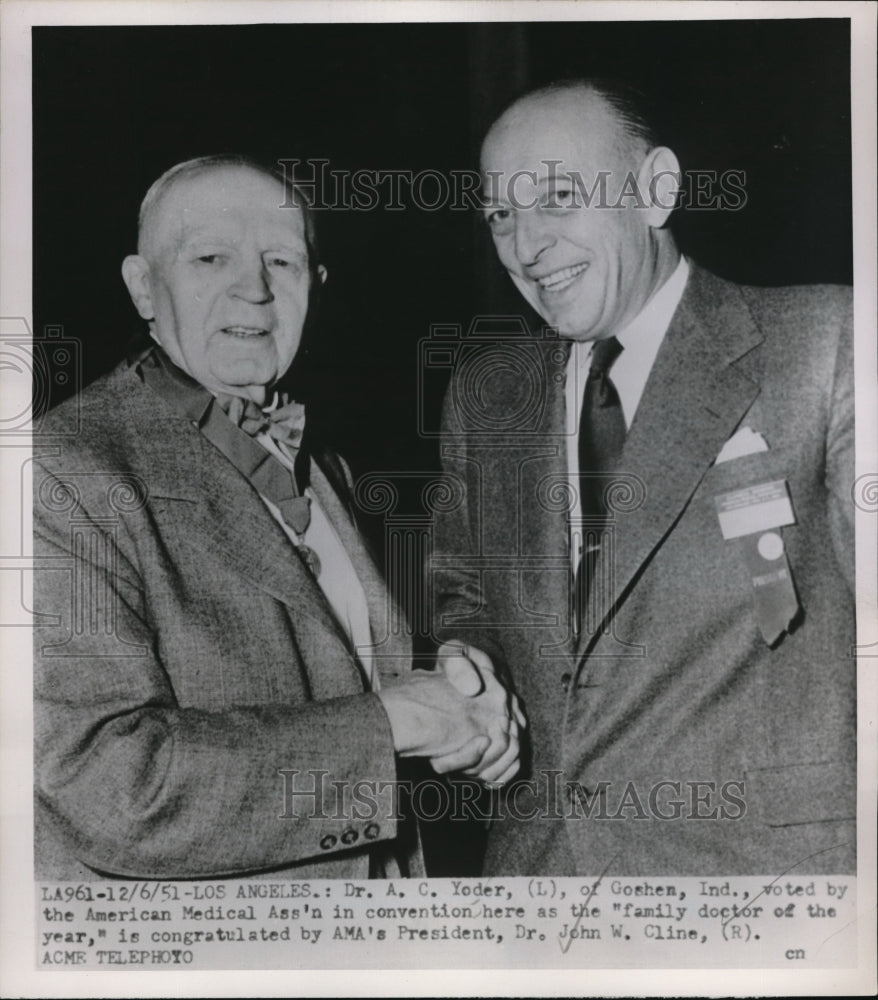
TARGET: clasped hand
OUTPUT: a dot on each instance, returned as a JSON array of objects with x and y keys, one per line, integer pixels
[{"x": 459, "y": 715}]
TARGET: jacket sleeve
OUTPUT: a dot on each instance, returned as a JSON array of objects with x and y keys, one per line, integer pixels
[{"x": 144, "y": 787}]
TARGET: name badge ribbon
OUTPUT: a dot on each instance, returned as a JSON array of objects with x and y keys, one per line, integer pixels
[{"x": 752, "y": 517}]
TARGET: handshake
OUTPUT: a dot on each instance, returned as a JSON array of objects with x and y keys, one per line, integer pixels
[{"x": 459, "y": 715}]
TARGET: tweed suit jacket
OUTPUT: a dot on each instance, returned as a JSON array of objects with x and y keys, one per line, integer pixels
[
  {"x": 186, "y": 657},
  {"x": 668, "y": 738}
]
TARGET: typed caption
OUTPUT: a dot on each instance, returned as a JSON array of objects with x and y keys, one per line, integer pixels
[{"x": 664, "y": 922}]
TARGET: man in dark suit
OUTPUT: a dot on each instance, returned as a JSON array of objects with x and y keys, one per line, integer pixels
[
  {"x": 217, "y": 688},
  {"x": 656, "y": 546}
]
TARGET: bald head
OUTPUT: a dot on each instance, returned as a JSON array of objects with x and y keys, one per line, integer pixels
[{"x": 609, "y": 113}]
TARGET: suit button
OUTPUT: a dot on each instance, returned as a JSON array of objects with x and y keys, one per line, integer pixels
[
  {"x": 565, "y": 680},
  {"x": 328, "y": 842},
  {"x": 371, "y": 832},
  {"x": 349, "y": 837}
]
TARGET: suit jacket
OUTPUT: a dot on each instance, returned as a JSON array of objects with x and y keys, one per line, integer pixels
[
  {"x": 668, "y": 738},
  {"x": 195, "y": 696}
]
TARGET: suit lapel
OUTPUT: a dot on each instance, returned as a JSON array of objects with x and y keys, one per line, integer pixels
[
  {"x": 702, "y": 383},
  {"x": 225, "y": 514}
]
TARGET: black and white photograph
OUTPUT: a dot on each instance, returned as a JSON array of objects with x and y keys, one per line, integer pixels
[{"x": 439, "y": 472}]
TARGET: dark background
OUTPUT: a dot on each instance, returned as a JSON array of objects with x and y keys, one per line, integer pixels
[{"x": 116, "y": 106}]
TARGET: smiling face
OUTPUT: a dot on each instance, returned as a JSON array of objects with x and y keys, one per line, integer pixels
[
  {"x": 587, "y": 268},
  {"x": 223, "y": 277}
]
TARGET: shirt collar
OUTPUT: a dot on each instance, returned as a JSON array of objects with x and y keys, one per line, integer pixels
[
  {"x": 641, "y": 338},
  {"x": 655, "y": 317}
]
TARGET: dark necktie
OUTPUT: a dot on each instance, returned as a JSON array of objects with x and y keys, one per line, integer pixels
[{"x": 601, "y": 438}]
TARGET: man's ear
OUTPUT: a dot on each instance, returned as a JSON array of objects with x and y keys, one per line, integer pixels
[
  {"x": 135, "y": 274},
  {"x": 659, "y": 181}
]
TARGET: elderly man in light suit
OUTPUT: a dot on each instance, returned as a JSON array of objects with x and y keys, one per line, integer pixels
[
  {"x": 217, "y": 692},
  {"x": 656, "y": 546}
]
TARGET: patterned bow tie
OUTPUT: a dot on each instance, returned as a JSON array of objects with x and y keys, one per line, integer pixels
[{"x": 283, "y": 421}]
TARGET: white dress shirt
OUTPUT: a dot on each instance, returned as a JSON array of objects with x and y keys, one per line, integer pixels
[{"x": 640, "y": 340}]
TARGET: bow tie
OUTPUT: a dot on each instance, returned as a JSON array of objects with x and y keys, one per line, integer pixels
[{"x": 283, "y": 421}]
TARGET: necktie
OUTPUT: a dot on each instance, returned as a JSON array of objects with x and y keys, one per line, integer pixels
[{"x": 601, "y": 438}]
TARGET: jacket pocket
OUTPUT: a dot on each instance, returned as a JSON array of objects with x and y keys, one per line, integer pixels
[
  {"x": 748, "y": 470},
  {"x": 803, "y": 793}
]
